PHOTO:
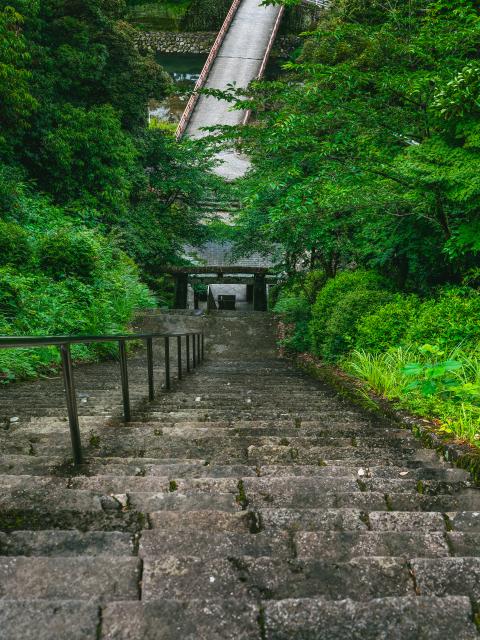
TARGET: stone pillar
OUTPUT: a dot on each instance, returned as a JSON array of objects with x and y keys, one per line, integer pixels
[
  {"x": 181, "y": 290},
  {"x": 259, "y": 292}
]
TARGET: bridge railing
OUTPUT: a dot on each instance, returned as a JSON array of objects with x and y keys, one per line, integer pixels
[
  {"x": 194, "y": 354},
  {"x": 187, "y": 114},
  {"x": 266, "y": 56}
]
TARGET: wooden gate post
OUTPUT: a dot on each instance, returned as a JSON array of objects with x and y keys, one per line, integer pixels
[{"x": 259, "y": 292}]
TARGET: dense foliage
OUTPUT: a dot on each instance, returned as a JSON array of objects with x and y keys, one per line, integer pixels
[
  {"x": 366, "y": 151},
  {"x": 92, "y": 199},
  {"x": 178, "y": 15},
  {"x": 365, "y": 177},
  {"x": 421, "y": 352}
]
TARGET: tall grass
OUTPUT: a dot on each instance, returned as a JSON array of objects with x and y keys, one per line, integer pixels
[
  {"x": 383, "y": 374},
  {"x": 382, "y": 371}
]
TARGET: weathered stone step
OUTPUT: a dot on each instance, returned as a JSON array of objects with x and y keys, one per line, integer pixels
[
  {"x": 374, "y": 501},
  {"x": 272, "y": 578},
  {"x": 24, "y": 619},
  {"x": 169, "y": 619},
  {"x": 211, "y": 544},
  {"x": 56, "y": 507},
  {"x": 175, "y": 501},
  {"x": 66, "y": 543},
  {"x": 180, "y": 468},
  {"x": 278, "y": 454},
  {"x": 345, "y": 519},
  {"x": 447, "y": 576},
  {"x": 303, "y": 491},
  {"x": 210, "y": 520},
  {"x": 307, "y": 492},
  {"x": 154, "y": 484},
  {"x": 86, "y": 578},
  {"x": 343, "y": 546},
  {"x": 405, "y": 618},
  {"x": 335, "y": 468}
]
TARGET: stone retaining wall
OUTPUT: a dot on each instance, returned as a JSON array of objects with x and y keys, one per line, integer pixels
[
  {"x": 174, "y": 42},
  {"x": 198, "y": 42}
]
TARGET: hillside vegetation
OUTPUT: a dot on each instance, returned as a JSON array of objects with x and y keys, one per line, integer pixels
[
  {"x": 93, "y": 202},
  {"x": 366, "y": 178}
]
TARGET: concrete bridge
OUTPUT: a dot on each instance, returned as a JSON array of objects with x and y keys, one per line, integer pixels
[{"x": 239, "y": 55}]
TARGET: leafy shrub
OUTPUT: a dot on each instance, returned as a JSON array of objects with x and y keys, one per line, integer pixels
[
  {"x": 314, "y": 281},
  {"x": 450, "y": 321},
  {"x": 295, "y": 310},
  {"x": 15, "y": 249},
  {"x": 332, "y": 294},
  {"x": 65, "y": 253},
  {"x": 12, "y": 285},
  {"x": 36, "y": 304},
  {"x": 387, "y": 326},
  {"x": 341, "y": 328}
]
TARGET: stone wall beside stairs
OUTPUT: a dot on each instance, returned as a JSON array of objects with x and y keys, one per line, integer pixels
[{"x": 229, "y": 335}]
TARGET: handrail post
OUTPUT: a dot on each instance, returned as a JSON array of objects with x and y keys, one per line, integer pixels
[
  {"x": 179, "y": 356},
  {"x": 67, "y": 370},
  {"x": 194, "y": 350},
  {"x": 151, "y": 384},
  {"x": 167, "y": 363},
  {"x": 188, "y": 352},
  {"x": 199, "y": 351},
  {"x": 203, "y": 346},
  {"x": 122, "y": 350}
]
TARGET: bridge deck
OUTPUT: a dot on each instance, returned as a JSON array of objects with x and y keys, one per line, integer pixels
[{"x": 238, "y": 61}]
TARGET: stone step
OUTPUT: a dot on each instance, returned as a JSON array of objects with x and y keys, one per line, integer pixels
[
  {"x": 66, "y": 543},
  {"x": 395, "y": 618},
  {"x": 211, "y": 544},
  {"x": 277, "y": 455},
  {"x": 335, "y": 468},
  {"x": 447, "y": 576},
  {"x": 77, "y": 578},
  {"x": 51, "y": 619},
  {"x": 176, "y": 501},
  {"x": 17, "y": 464},
  {"x": 215, "y": 619},
  {"x": 343, "y": 546},
  {"x": 210, "y": 520},
  {"x": 250, "y": 578},
  {"x": 304, "y": 489}
]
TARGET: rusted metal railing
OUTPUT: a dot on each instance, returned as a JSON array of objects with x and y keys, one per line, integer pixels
[
  {"x": 187, "y": 114},
  {"x": 64, "y": 344}
]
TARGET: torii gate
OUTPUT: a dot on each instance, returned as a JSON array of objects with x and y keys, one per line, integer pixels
[{"x": 241, "y": 275}]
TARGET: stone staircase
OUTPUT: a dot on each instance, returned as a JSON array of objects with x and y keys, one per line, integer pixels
[{"x": 250, "y": 502}]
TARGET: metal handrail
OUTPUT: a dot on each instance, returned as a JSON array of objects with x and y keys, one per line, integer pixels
[
  {"x": 187, "y": 114},
  {"x": 197, "y": 339}
]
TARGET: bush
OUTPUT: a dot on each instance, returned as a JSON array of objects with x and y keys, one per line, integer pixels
[
  {"x": 332, "y": 294},
  {"x": 15, "y": 249},
  {"x": 341, "y": 328},
  {"x": 12, "y": 285},
  {"x": 314, "y": 281},
  {"x": 388, "y": 325},
  {"x": 451, "y": 320},
  {"x": 36, "y": 304},
  {"x": 295, "y": 310},
  {"x": 68, "y": 253}
]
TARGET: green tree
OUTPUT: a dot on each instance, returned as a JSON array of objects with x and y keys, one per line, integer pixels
[
  {"x": 366, "y": 151},
  {"x": 16, "y": 100}
]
